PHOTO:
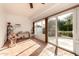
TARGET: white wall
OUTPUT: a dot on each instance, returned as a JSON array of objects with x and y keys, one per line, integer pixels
[
  {"x": 2, "y": 30},
  {"x": 26, "y": 24},
  {"x": 2, "y": 26}
]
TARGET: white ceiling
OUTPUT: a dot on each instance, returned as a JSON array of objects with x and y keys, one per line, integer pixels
[
  {"x": 24, "y": 9},
  {"x": 39, "y": 10}
]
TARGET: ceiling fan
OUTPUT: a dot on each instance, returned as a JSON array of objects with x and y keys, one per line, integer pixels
[{"x": 31, "y": 4}]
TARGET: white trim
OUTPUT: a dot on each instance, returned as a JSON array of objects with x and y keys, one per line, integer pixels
[
  {"x": 57, "y": 31},
  {"x": 74, "y": 27}
]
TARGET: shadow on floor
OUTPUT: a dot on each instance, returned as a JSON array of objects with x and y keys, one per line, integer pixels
[
  {"x": 37, "y": 51},
  {"x": 40, "y": 49},
  {"x": 25, "y": 50},
  {"x": 7, "y": 42}
]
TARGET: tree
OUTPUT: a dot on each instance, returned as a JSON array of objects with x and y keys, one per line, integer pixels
[{"x": 65, "y": 25}]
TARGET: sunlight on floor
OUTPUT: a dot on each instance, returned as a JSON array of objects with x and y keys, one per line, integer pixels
[
  {"x": 32, "y": 48},
  {"x": 48, "y": 51},
  {"x": 18, "y": 48}
]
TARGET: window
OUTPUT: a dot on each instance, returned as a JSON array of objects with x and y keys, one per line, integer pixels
[
  {"x": 52, "y": 30},
  {"x": 65, "y": 31},
  {"x": 40, "y": 29}
]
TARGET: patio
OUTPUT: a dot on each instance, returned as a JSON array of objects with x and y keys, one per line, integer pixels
[{"x": 66, "y": 43}]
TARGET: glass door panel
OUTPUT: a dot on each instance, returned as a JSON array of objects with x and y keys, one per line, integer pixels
[
  {"x": 40, "y": 30},
  {"x": 52, "y": 30},
  {"x": 65, "y": 31}
]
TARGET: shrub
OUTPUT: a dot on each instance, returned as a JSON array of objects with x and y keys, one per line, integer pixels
[{"x": 65, "y": 33}]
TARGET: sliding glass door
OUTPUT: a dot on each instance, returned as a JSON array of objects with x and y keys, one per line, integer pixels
[
  {"x": 60, "y": 31},
  {"x": 52, "y": 30},
  {"x": 65, "y": 31},
  {"x": 40, "y": 30}
]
